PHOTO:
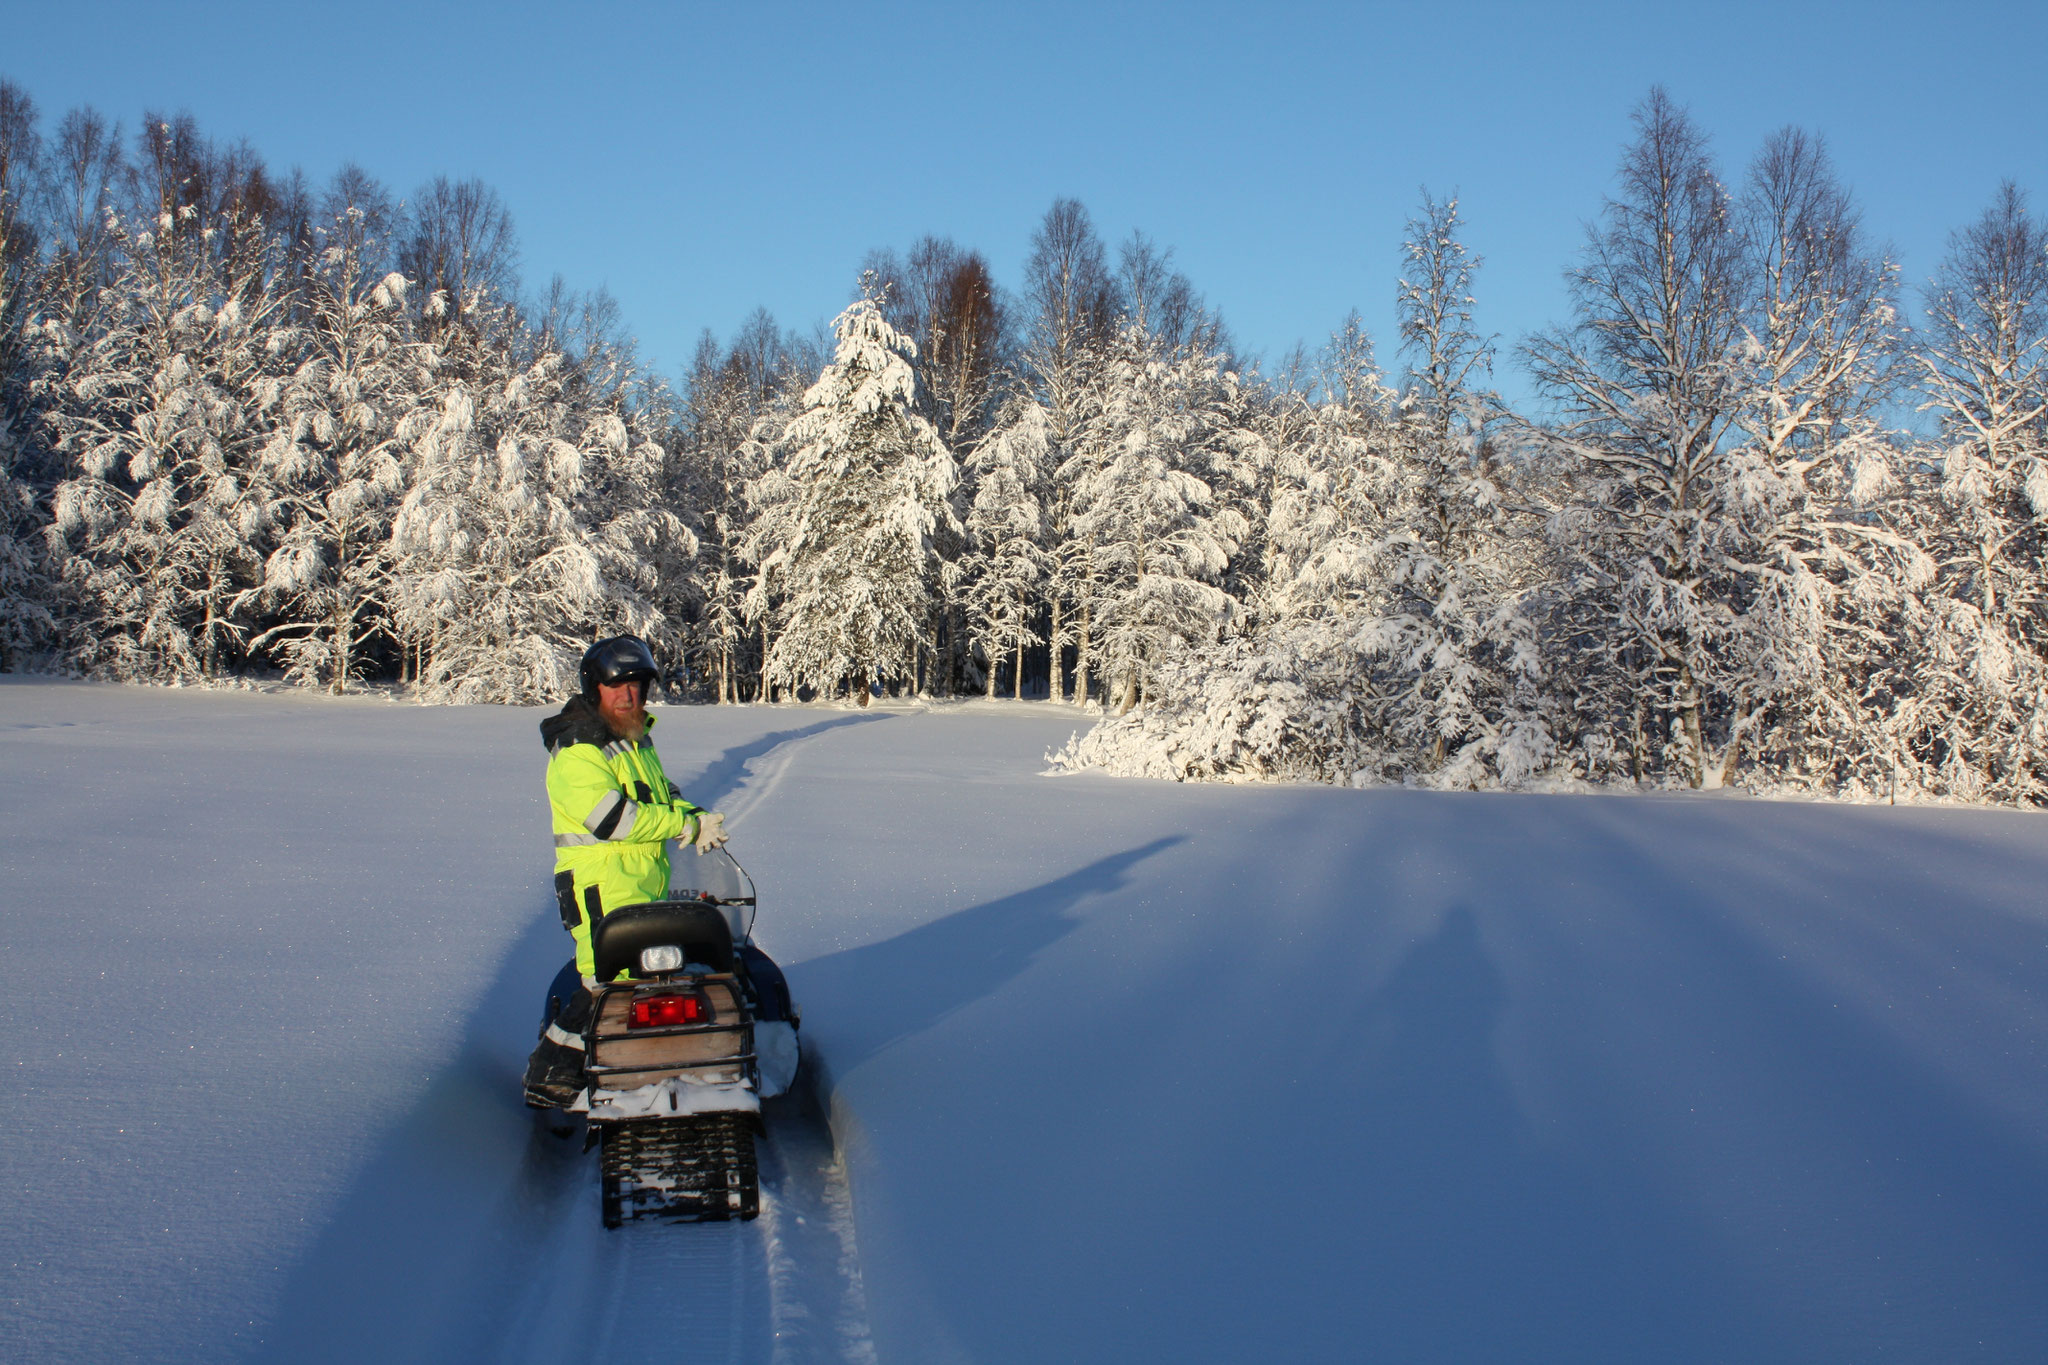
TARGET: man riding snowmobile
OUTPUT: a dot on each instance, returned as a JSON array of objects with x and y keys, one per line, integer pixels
[{"x": 614, "y": 812}]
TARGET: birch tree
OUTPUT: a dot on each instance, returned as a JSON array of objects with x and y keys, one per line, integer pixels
[
  {"x": 1814, "y": 465},
  {"x": 1984, "y": 367},
  {"x": 1071, "y": 304},
  {"x": 1649, "y": 382}
]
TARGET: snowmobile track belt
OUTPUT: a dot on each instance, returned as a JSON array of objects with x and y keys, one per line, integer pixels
[{"x": 695, "y": 1169}]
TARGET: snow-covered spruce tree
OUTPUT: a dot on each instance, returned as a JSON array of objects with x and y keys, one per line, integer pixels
[
  {"x": 159, "y": 530},
  {"x": 1007, "y": 569},
  {"x": 1160, "y": 437},
  {"x": 1456, "y": 669},
  {"x": 345, "y": 416},
  {"x": 1983, "y": 357},
  {"x": 1393, "y": 639},
  {"x": 872, "y": 482},
  {"x": 1331, "y": 436}
]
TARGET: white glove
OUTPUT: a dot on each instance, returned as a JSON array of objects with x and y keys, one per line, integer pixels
[{"x": 710, "y": 831}]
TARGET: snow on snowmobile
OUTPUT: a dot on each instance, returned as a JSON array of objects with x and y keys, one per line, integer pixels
[{"x": 691, "y": 1029}]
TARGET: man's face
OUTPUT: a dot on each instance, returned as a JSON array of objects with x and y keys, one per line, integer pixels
[{"x": 623, "y": 706}]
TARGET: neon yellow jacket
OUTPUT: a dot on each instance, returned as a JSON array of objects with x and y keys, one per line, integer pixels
[{"x": 614, "y": 812}]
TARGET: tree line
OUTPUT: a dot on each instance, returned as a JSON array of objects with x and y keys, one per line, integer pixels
[{"x": 250, "y": 428}]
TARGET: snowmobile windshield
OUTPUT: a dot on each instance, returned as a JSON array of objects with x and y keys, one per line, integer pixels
[{"x": 716, "y": 876}]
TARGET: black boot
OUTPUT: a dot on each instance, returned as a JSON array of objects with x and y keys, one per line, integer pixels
[{"x": 554, "y": 1075}]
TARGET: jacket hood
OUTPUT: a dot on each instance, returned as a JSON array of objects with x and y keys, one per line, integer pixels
[{"x": 578, "y": 722}]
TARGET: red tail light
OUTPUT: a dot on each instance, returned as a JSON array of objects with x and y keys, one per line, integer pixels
[{"x": 666, "y": 1011}]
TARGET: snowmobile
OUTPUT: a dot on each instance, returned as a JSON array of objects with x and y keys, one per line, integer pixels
[{"x": 691, "y": 1029}]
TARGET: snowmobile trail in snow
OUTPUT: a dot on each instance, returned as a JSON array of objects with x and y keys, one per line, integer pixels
[
  {"x": 784, "y": 1287},
  {"x": 746, "y": 771},
  {"x": 817, "y": 1304},
  {"x": 818, "y": 1310},
  {"x": 506, "y": 1258}
]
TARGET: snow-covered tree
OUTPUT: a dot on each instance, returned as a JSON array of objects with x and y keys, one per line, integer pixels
[
  {"x": 493, "y": 582},
  {"x": 870, "y": 483},
  {"x": 1152, "y": 526},
  {"x": 1289, "y": 697},
  {"x": 1331, "y": 471},
  {"x": 1661, "y": 512},
  {"x": 1391, "y": 639},
  {"x": 1984, "y": 362},
  {"x": 345, "y": 418},
  {"x": 713, "y": 414},
  {"x": 1071, "y": 307},
  {"x": 774, "y": 508},
  {"x": 159, "y": 530},
  {"x": 1815, "y": 468},
  {"x": 21, "y": 184},
  {"x": 508, "y": 557},
  {"x": 735, "y": 408},
  {"x": 27, "y": 588},
  {"x": 1008, "y": 567},
  {"x": 1457, "y": 667}
]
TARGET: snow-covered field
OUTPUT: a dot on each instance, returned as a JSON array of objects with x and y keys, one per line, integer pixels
[{"x": 1114, "y": 1070}]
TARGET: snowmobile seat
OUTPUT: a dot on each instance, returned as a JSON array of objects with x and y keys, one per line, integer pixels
[{"x": 699, "y": 929}]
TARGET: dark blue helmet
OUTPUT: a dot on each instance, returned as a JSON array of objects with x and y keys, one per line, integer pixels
[{"x": 623, "y": 658}]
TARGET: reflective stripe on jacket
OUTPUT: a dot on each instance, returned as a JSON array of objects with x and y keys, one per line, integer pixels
[{"x": 614, "y": 812}]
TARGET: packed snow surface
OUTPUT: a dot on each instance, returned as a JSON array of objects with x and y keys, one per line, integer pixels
[{"x": 1114, "y": 1070}]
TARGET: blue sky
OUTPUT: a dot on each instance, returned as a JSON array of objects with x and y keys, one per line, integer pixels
[{"x": 700, "y": 160}]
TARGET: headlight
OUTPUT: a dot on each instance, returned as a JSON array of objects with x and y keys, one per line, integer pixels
[{"x": 665, "y": 958}]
